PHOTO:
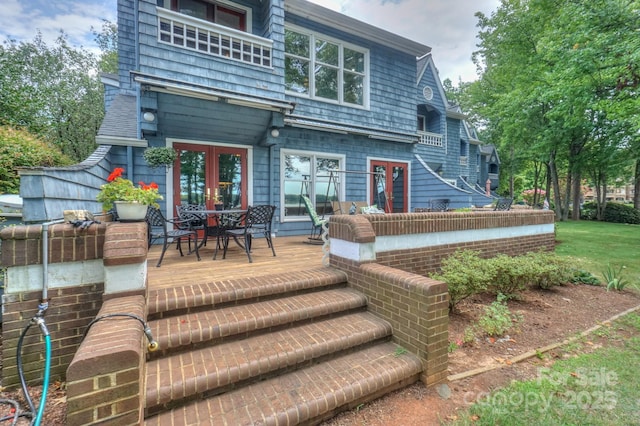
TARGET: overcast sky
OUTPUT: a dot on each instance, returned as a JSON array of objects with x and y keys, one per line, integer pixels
[{"x": 448, "y": 26}]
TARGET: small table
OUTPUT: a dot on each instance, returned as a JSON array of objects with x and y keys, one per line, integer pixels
[{"x": 223, "y": 223}]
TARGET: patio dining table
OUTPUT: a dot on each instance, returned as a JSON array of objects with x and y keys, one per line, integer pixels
[{"x": 224, "y": 219}]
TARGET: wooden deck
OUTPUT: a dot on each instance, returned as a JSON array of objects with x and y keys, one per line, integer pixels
[{"x": 292, "y": 253}]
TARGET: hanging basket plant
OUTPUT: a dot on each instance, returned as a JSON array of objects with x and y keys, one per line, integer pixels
[{"x": 160, "y": 156}]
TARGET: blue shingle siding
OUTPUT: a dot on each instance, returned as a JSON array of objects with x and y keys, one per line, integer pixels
[
  {"x": 191, "y": 66},
  {"x": 391, "y": 85}
]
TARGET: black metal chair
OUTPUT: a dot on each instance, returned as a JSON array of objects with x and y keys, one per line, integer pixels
[
  {"x": 257, "y": 222},
  {"x": 191, "y": 219},
  {"x": 169, "y": 230},
  {"x": 439, "y": 205},
  {"x": 503, "y": 204}
]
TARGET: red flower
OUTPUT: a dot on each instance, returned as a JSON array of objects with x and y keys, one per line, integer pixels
[
  {"x": 116, "y": 173},
  {"x": 146, "y": 187}
]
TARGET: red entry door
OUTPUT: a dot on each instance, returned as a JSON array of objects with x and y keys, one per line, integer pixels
[
  {"x": 389, "y": 186},
  {"x": 210, "y": 175}
]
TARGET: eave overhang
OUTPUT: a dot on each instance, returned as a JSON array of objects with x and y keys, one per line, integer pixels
[
  {"x": 177, "y": 87},
  {"x": 335, "y": 127}
]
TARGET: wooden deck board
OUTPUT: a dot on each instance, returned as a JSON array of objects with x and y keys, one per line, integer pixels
[{"x": 292, "y": 253}]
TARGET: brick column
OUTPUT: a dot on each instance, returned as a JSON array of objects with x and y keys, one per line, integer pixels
[
  {"x": 125, "y": 259},
  {"x": 105, "y": 380}
]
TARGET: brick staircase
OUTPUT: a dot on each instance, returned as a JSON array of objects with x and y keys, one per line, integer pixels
[{"x": 286, "y": 349}]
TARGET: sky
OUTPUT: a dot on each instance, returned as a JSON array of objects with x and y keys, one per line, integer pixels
[{"x": 447, "y": 26}]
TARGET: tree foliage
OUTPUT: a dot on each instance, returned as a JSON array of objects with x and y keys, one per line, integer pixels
[
  {"x": 18, "y": 148},
  {"x": 559, "y": 88},
  {"x": 53, "y": 92}
]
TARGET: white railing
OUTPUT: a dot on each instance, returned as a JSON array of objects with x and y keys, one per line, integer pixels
[
  {"x": 431, "y": 139},
  {"x": 464, "y": 160},
  {"x": 205, "y": 37}
]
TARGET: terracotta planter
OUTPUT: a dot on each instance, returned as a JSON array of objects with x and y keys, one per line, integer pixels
[{"x": 130, "y": 211}]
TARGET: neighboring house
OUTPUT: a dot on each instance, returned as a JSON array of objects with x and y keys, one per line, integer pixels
[{"x": 268, "y": 100}]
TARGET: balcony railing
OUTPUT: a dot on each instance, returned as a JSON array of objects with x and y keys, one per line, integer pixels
[
  {"x": 431, "y": 139},
  {"x": 205, "y": 37}
]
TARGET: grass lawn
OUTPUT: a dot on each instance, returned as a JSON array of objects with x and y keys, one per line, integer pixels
[
  {"x": 593, "y": 245},
  {"x": 598, "y": 388}
]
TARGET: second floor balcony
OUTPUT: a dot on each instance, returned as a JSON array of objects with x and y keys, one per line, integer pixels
[
  {"x": 431, "y": 139},
  {"x": 205, "y": 37}
]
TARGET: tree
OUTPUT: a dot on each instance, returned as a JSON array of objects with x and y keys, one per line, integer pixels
[
  {"x": 107, "y": 41},
  {"x": 53, "y": 92},
  {"x": 559, "y": 78}
]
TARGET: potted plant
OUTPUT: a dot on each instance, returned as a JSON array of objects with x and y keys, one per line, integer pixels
[
  {"x": 160, "y": 156},
  {"x": 120, "y": 193}
]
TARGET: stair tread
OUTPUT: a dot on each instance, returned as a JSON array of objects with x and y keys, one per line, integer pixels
[
  {"x": 216, "y": 292},
  {"x": 304, "y": 394},
  {"x": 203, "y": 326},
  {"x": 220, "y": 365}
]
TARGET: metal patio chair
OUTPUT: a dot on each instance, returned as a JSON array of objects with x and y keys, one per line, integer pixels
[
  {"x": 503, "y": 204},
  {"x": 169, "y": 230},
  {"x": 257, "y": 222},
  {"x": 439, "y": 205}
]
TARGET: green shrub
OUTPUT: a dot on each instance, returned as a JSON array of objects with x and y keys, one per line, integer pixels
[
  {"x": 621, "y": 213},
  {"x": 512, "y": 275},
  {"x": 509, "y": 275},
  {"x": 580, "y": 276},
  {"x": 547, "y": 269},
  {"x": 19, "y": 148},
  {"x": 588, "y": 211},
  {"x": 497, "y": 318},
  {"x": 465, "y": 274}
]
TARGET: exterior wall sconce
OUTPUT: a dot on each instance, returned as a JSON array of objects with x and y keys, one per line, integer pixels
[
  {"x": 275, "y": 132},
  {"x": 148, "y": 116}
]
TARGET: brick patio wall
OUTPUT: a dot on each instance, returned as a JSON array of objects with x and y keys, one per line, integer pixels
[
  {"x": 72, "y": 305},
  {"x": 90, "y": 272},
  {"x": 388, "y": 258}
]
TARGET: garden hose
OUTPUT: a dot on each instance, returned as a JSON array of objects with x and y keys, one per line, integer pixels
[
  {"x": 37, "y": 320},
  {"x": 151, "y": 346}
]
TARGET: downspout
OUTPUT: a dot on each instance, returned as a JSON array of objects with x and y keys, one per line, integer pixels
[
  {"x": 45, "y": 266},
  {"x": 136, "y": 13}
]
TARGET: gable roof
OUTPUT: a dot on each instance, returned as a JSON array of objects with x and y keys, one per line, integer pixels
[{"x": 352, "y": 26}]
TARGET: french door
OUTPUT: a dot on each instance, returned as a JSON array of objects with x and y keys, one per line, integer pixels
[
  {"x": 388, "y": 183},
  {"x": 214, "y": 176}
]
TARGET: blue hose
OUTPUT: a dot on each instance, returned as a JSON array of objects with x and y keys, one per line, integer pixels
[
  {"x": 47, "y": 368},
  {"x": 45, "y": 383}
]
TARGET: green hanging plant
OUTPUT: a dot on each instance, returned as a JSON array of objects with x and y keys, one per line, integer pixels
[{"x": 160, "y": 156}]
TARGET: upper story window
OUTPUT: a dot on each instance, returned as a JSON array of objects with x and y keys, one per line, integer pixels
[
  {"x": 216, "y": 12},
  {"x": 422, "y": 123},
  {"x": 326, "y": 69}
]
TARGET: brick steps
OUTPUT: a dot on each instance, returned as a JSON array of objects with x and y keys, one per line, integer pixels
[
  {"x": 257, "y": 356},
  {"x": 190, "y": 331},
  {"x": 268, "y": 350},
  {"x": 186, "y": 299},
  {"x": 305, "y": 396}
]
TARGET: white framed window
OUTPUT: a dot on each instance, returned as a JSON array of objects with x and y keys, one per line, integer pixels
[
  {"x": 309, "y": 173},
  {"x": 325, "y": 69},
  {"x": 422, "y": 123},
  {"x": 220, "y": 12}
]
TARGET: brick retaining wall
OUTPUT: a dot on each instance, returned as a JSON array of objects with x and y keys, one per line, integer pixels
[{"x": 388, "y": 258}]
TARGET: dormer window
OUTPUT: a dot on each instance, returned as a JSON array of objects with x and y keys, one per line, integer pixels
[{"x": 216, "y": 12}]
